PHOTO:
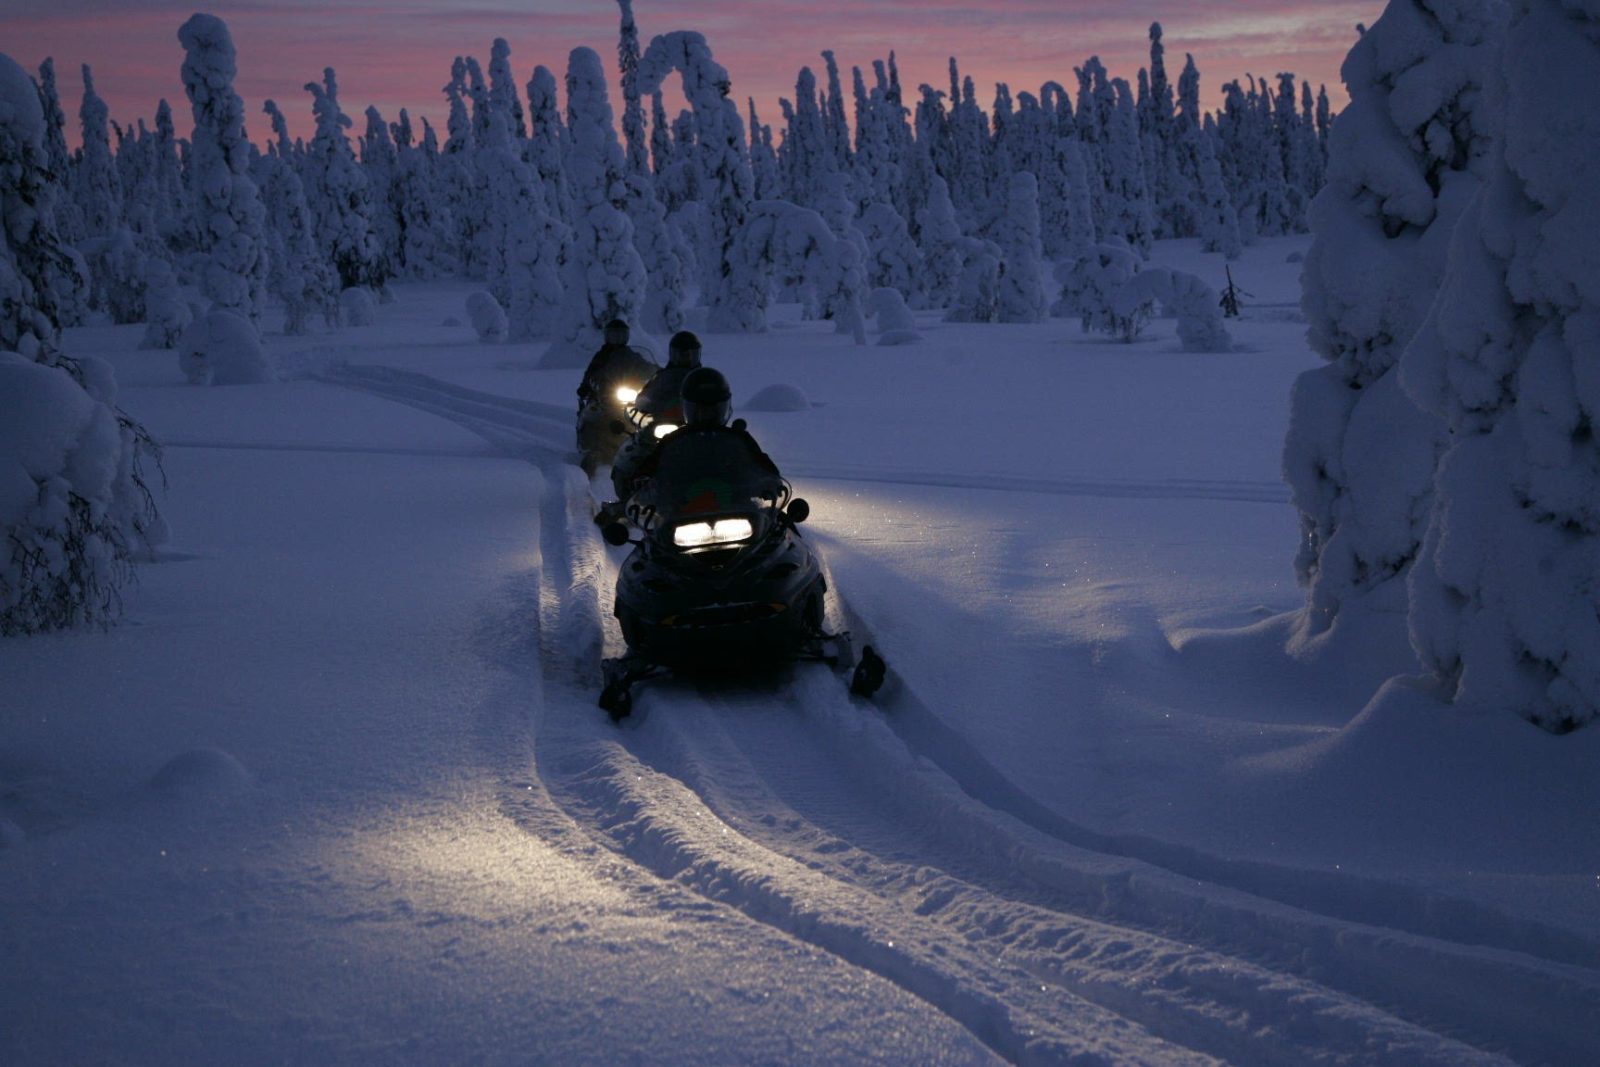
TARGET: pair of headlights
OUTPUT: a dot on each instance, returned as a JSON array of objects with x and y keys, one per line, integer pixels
[
  {"x": 627, "y": 394},
  {"x": 706, "y": 534}
]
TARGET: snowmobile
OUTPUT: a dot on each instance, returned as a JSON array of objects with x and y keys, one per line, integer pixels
[
  {"x": 725, "y": 584},
  {"x": 606, "y": 418}
]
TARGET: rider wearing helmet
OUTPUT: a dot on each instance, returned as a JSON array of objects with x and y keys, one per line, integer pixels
[
  {"x": 614, "y": 376},
  {"x": 709, "y": 464},
  {"x": 658, "y": 411},
  {"x": 661, "y": 400}
]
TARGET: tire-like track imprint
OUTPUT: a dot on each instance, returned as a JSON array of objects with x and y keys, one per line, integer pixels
[{"x": 813, "y": 813}]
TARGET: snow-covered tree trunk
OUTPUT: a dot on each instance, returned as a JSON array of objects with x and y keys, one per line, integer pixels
[
  {"x": 1408, "y": 153},
  {"x": 1505, "y": 596},
  {"x": 941, "y": 245},
  {"x": 230, "y": 221}
]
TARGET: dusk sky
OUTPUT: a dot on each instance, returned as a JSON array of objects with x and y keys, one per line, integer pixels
[{"x": 397, "y": 53}]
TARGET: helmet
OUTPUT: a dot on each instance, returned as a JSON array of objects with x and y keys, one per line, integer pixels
[
  {"x": 707, "y": 400},
  {"x": 683, "y": 350},
  {"x": 616, "y": 332}
]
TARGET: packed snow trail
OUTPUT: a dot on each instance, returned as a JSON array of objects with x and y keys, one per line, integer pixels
[{"x": 880, "y": 838}]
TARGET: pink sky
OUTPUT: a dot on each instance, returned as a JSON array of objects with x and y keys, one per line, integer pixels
[{"x": 397, "y": 53}]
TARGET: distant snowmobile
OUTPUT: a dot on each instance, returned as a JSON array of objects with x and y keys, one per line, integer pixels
[
  {"x": 616, "y": 375},
  {"x": 720, "y": 578}
]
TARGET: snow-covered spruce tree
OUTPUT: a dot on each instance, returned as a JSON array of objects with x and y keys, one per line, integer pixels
[
  {"x": 652, "y": 237},
  {"x": 1215, "y": 220},
  {"x": 893, "y": 259},
  {"x": 1079, "y": 262},
  {"x": 941, "y": 240},
  {"x": 795, "y": 247},
  {"x": 70, "y": 279},
  {"x": 118, "y": 263},
  {"x": 230, "y": 223},
  {"x": 603, "y": 275},
  {"x": 1187, "y": 298},
  {"x": 546, "y": 137},
  {"x": 429, "y": 247},
  {"x": 805, "y": 154},
  {"x": 1128, "y": 211},
  {"x": 1022, "y": 295},
  {"x": 763, "y": 157},
  {"x": 300, "y": 276},
  {"x": 726, "y": 182},
  {"x": 503, "y": 88},
  {"x": 380, "y": 161},
  {"x": 524, "y": 243},
  {"x": 1407, "y": 155},
  {"x": 74, "y": 508},
  {"x": 1171, "y": 196},
  {"x": 340, "y": 198},
  {"x": 1505, "y": 596}
]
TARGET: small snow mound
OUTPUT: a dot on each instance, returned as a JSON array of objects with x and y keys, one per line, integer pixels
[
  {"x": 356, "y": 307},
  {"x": 223, "y": 348},
  {"x": 1295, "y": 257},
  {"x": 450, "y": 320},
  {"x": 11, "y": 834},
  {"x": 778, "y": 398},
  {"x": 201, "y": 772},
  {"x": 899, "y": 337},
  {"x": 488, "y": 317}
]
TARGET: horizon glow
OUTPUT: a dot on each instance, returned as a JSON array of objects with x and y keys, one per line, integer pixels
[{"x": 397, "y": 53}]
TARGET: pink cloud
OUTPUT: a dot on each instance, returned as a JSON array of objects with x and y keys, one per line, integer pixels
[{"x": 397, "y": 53}]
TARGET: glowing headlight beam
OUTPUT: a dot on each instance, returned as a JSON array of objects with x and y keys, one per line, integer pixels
[
  {"x": 721, "y": 532},
  {"x": 627, "y": 394},
  {"x": 664, "y": 428}
]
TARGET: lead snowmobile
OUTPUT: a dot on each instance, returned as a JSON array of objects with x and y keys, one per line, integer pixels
[{"x": 719, "y": 578}]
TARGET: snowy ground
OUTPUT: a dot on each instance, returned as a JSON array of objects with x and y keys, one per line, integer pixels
[{"x": 337, "y": 791}]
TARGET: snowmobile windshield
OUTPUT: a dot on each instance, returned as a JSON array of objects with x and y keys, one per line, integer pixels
[{"x": 704, "y": 477}]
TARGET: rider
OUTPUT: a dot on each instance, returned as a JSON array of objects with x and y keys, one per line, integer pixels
[
  {"x": 616, "y": 364},
  {"x": 708, "y": 465},
  {"x": 659, "y": 409},
  {"x": 603, "y": 395}
]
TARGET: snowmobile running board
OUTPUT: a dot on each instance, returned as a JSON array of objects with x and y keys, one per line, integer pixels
[{"x": 622, "y": 673}]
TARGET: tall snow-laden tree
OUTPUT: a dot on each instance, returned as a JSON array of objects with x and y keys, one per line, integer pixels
[
  {"x": 430, "y": 247},
  {"x": 1505, "y": 595},
  {"x": 340, "y": 197},
  {"x": 941, "y": 241},
  {"x": 652, "y": 236},
  {"x": 603, "y": 275},
  {"x": 1022, "y": 296},
  {"x": 230, "y": 222},
  {"x": 1407, "y": 155},
  {"x": 726, "y": 182},
  {"x": 95, "y": 183},
  {"x": 545, "y": 144},
  {"x": 1216, "y": 221},
  {"x": 301, "y": 275},
  {"x": 380, "y": 162},
  {"x": 74, "y": 510},
  {"x": 503, "y": 88}
]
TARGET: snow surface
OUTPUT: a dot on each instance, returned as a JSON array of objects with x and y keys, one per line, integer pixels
[{"x": 336, "y": 790}]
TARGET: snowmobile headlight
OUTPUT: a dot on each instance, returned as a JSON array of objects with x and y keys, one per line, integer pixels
[
  {"x": 627, "y": 394},
  {"x": 664, "y": 428},
  {"x": 721, "y": 532}
]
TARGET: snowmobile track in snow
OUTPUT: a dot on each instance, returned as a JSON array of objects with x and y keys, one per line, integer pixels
[{"x": 1044, "y": 939}]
